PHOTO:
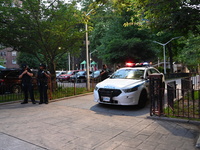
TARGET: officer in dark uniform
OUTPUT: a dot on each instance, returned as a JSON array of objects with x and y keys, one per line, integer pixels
[
  {"x": 42, "y": 77},
  {"x": 104, "y": 72},
  {"x": 26, "y": 76}
]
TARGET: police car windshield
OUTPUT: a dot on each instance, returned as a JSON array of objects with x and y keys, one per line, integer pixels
[{"x": 128, "y": 74}]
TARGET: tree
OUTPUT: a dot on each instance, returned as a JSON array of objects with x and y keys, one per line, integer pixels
[
  {"x": 170, "y": 18},
  {"x": 179, "y": 16},
  {"x": 48, "y": 28},
  {"x": 166, "y": 18},
  {"x": 190, "y": 54},
  {"x": 33, "y": 62},
  {"x": 117, "y": 42},
  {"x": 24, "y": 58}
]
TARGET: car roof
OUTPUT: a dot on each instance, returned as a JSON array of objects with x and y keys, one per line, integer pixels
[
  {"x": 60, "y": 71},
  {"x": 6, "y": 71},
  {"x": 9, "y": 69}
]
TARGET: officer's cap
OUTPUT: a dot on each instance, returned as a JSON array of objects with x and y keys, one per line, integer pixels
[{"x": 42, "y": 65}]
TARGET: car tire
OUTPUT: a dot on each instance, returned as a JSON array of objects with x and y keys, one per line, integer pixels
[
  {"x": 2, "y": 91},
  {"x": 142, "y": 99},
  {"x": 16, "y": 89}
]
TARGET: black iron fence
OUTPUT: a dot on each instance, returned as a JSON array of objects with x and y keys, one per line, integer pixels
[
  {"x": 55, "y": 90},
  {"x": 181, "y": 99}
]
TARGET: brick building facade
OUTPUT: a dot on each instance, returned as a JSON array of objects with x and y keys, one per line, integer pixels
[{"x": 8, "y": 58}]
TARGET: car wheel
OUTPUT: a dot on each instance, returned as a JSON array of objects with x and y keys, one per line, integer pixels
[
  {"x": 2, "y": 90},
  {"x": 143, "y": 99},
  {"x": 16, "y": 89}
]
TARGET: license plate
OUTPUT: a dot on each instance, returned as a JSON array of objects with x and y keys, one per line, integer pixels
[{"x": 106, "y": 99}]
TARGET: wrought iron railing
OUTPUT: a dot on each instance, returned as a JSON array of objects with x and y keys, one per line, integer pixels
[
  {"x": 56, "y": 90},
  {"x": 183, "y": 102}
]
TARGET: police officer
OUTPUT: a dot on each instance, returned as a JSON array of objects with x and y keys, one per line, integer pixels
[
  {"x": 26, "y": 76},
  {"x": 104, "y": 72},
  {"x": 42, "y": 77}
]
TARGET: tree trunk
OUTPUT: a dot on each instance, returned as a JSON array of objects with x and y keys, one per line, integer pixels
[{"x": 52, "y": 69}]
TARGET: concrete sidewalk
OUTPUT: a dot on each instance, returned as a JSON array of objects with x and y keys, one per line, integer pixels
[{"x": 74, "y": 124}]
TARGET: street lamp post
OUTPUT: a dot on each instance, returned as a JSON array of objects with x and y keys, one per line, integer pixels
[
  {"x": 164, "y": 50},
  {"x": 87, "y": 53},
  {"x": 69, "y": 60},
  {"x": 87, "y": 58},
  {"x": 91, "y": 56}
]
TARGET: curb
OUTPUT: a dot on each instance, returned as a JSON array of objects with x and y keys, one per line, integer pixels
[{"x": 180, "y": 121}]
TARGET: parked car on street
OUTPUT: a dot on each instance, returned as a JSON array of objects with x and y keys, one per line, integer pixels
[
  {"x": 126, "y": 86},
  {"x": 66, "y": 77},
  {"x": 80, "y": 76},
  {"x": 10, "y": 82},
  {"x": 95, "y": 76},
  {"x": 59, "y": 72}
]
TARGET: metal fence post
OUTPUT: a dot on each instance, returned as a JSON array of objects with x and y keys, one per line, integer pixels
[{"x": 156, "y": 94}]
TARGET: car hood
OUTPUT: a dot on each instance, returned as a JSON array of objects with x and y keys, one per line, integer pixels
[{"x": 120, "y": 83}]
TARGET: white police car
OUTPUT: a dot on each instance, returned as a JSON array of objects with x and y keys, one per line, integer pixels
[{"x": 126, "y": 86}]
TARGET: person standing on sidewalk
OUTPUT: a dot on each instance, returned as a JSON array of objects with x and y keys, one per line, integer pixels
[
  {"x": 43, "y": 77},
  {"x": 27, "y": 87},
  {"x": 104, "y": 72}
]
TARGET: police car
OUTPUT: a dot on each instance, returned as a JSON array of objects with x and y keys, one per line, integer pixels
[{"x": 126, "y": 86}]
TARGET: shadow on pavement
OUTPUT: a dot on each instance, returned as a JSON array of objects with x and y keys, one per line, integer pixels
[
  {"x": 111, "y": 110},
  {"x": 17, "y": 105}
]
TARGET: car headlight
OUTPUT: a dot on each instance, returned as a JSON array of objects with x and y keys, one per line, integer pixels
[
  {"x": 130, "y": 89},
  {"x": 96, "y": 88}
]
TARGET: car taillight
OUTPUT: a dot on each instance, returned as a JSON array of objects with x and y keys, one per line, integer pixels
[{"x": 1, "y": 80}]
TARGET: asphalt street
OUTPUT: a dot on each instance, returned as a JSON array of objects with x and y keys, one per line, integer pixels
[{"x": 78, "y": 123}]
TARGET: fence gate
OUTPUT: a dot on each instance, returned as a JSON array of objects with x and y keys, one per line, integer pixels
[
  {"x": 177, "y": 100},
  {"x": 156, "y": 94}
]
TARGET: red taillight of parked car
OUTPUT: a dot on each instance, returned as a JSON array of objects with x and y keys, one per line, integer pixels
[{"x": 1, "y": 80}]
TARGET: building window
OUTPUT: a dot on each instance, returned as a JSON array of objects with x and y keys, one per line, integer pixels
[
  {"x": 14, "y": 62},
  {"x": 14, "y": 53},
  {"x": 2, "y": 53}
]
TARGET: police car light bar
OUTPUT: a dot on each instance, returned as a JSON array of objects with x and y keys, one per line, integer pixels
[{"x": 131, "y": 64}]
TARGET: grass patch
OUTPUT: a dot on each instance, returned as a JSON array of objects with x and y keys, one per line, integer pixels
[
  {"x": 11, "y": 97},
  {"x": 60, "y": 92},
  {"x": 188, "y": 107}
]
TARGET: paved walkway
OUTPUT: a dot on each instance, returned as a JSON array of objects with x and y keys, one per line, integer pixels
[{"x": 70, "y": 125}]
